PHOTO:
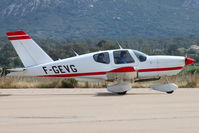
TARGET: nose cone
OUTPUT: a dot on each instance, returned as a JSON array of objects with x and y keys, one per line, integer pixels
[{"x": 189, "y": 61}]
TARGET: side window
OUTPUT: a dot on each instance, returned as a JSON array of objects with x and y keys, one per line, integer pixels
[
  {"x": 102, "y": 58},
  {"x": 122, "y": 57},
  {"x": 141, "y": 56}
]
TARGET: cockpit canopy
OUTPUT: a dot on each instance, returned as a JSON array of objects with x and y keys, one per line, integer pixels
[{"x": 120, "y": 57}]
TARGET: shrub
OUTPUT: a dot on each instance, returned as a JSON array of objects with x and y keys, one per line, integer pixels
[
  {"x": 6, "y": 83},
  {"x": 191, "y": 84},
  {"x": 193, "y": 70},
  {"x": 69, "y": 83},
  {"x": 47, "y": 85}
]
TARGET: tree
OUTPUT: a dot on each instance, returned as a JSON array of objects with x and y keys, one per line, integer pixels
[{"x": 172, "y": 50}]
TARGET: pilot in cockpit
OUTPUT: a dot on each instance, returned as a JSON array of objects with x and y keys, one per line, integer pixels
[
  {"x": 122, "y": 59},
  {"x": 100, "y": 58}
]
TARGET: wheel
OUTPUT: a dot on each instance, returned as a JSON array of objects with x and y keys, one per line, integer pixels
[
  {"x": 122, "y": 93},
  {"x": 170, "y": 92}
]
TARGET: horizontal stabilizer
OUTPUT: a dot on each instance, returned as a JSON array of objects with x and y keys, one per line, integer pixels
[{"x": 16, "y": 70}]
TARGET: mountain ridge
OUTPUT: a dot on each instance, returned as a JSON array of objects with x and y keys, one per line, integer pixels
[{"x": 63, "y": 19}]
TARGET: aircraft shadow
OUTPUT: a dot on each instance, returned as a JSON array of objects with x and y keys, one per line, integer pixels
[
  {"x": 100, "y": 94},
  {"x": 5, "y": 95},
  {"x": 104, "y": 94},
  {"x": 111, "y": 94},
  {"x": 145, "y": 94}
]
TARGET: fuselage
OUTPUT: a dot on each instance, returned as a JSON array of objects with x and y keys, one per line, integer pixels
[{"x": 92, "y": 66}]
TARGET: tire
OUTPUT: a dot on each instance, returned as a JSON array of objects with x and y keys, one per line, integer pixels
[
  {"x": 122, "y": 93},
  {"x": 170, "y": 92}
]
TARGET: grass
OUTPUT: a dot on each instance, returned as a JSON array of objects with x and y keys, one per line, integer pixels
[
  {"x": 33, "y": 82},
  {"x": 28, "y": 82}
]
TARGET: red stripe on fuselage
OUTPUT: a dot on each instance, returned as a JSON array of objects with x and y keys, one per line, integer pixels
[
  {"x": 160, "y": 69},
  {"x": 16, "y": 33},
  {"x": 122, "y": 69},
  {"x": 19, "y": 38}
]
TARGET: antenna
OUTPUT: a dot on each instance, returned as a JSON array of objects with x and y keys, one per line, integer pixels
[
  {"x": 75, "y": 53},
  {"x": 119, "y": 45},
  {"x": 186, "y": 55},
  {"x": 127, "y": 44}
]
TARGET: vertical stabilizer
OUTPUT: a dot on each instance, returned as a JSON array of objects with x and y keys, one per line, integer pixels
[{"x": 29, "y": 52}]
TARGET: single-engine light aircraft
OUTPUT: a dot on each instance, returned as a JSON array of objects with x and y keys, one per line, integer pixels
[{"x": 121, "y": 65}]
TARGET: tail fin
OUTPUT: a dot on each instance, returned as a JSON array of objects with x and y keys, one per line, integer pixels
[{"x": 29, "y": 52}]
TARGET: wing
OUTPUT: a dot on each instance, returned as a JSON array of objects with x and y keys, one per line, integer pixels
[{"x": 124, "y": 73}]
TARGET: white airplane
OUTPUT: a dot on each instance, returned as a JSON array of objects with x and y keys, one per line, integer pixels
[{"x": 121, "y": 65}]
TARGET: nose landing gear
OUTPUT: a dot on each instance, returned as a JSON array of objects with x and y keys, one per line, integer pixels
[
  {"x": 122, "y": 93},
  {"x": 169, "y": 92},
  {"x": 168, "y": 87}
]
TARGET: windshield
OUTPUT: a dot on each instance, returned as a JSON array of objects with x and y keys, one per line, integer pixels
[{"x": 141, "y": 56}]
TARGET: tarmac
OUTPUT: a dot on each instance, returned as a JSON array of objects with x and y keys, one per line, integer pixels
[{"x": 98, "y": 111}]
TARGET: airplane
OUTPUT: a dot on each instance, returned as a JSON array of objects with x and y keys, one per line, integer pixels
[{"x": 119, "y": 65}]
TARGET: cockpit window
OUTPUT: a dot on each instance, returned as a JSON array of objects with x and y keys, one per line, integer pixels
[
  {"x": 102, "y": 58},
  {"x": 122, "y": 57},
  {"x": 141, "y": 56}
]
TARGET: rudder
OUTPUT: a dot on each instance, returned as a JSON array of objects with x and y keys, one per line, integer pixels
[{"x": 29, "y": 52}]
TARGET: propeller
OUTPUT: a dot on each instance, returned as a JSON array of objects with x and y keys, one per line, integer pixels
[
  {"x": 188, "y": 61},
  {"x": 186, "y": 58}
]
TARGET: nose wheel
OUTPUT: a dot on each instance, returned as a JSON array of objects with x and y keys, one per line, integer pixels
[{"x": 167, "y": 87}]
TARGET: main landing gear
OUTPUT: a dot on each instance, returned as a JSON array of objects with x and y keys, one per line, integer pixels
[
  {"x": 122, "y": 93},
  {"x": 120, "y": 88}
]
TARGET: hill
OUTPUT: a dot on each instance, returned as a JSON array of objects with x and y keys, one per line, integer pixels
[{"x": 61, "y": 19}]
